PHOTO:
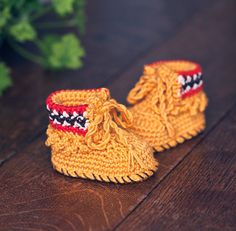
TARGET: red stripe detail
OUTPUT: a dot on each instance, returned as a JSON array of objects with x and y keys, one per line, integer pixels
[
  {"x": 196, "y": 70},
  {"x": 69, "y": 129},
  {"x": 192, "y": 92},
  {"x": 59, "y": 107}
]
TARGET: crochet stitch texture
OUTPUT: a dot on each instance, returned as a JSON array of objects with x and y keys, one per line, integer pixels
[
  {"x": 168, "y": 103},
  {"x": 88, "y": 138}
]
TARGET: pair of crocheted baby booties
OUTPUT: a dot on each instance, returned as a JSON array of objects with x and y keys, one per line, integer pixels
[{"x": 94, "y": 137}]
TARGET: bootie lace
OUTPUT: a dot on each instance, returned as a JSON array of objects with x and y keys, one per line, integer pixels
[
  {"x": 156, "y": 82},
  {"x": 105, "y": 121},
  {"x": 109, "y": 118}
]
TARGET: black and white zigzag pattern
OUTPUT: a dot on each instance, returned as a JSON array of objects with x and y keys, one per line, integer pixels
[
  {"x": 190, "y": 82},
  {"x": 75, "y": 120}
]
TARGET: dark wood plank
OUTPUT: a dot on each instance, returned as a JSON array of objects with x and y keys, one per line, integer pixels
[
  {"x": 201, "y": 193},
  {"x": 113, "y": 41},
  {"x": 41, "y": 198}
]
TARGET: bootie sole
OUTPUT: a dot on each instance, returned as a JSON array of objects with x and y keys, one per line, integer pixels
[{"x": 132, "y": 178}]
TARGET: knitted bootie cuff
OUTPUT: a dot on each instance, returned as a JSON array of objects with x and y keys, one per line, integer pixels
[
  {"x": 189, "y": 75},
  {"x": 68, "y": 111}
]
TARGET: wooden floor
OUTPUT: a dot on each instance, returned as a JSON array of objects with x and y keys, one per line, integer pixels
[{"x": 195, "y": 187}]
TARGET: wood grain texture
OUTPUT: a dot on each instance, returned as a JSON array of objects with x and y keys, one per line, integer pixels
[
  {"x": 34, "y": 197},
  {"x": 200, "y": 194},
  {"x": 112, "y": 43}
]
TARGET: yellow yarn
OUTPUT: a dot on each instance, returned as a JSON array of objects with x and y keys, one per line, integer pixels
[
  {"x": 161, "y": 115},
  {"x": 107, "y": 152}
]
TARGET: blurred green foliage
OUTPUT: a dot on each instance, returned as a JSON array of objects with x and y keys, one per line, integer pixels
[
  {"x": 4, "y": 77},
  {"x": 20, "y": 21}
]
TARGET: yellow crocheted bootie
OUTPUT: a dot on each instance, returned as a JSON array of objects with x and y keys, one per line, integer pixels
[
  {"x": 88, "y": 138},
  {"x": 168, "y": 103}
]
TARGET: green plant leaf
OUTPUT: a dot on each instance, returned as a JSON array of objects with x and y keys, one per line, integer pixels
[
  {"x": 64, "y": 52},
  {"x": 18, "y": 21},
  {"x": 32, "y": 6},
  {"x": 63, "y": 7},
  {"x": 5, "y": 79},
  {"x": 46, "y": 44},
  {"x": 4, "y": 16},
  {"x": 80, "y": 16},
  {"x": 16, "y": 4},
  {"x": 23, "y": 31}
]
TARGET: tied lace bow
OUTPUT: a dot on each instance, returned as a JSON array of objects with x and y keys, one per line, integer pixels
[{"x": 106, "y": 118}]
